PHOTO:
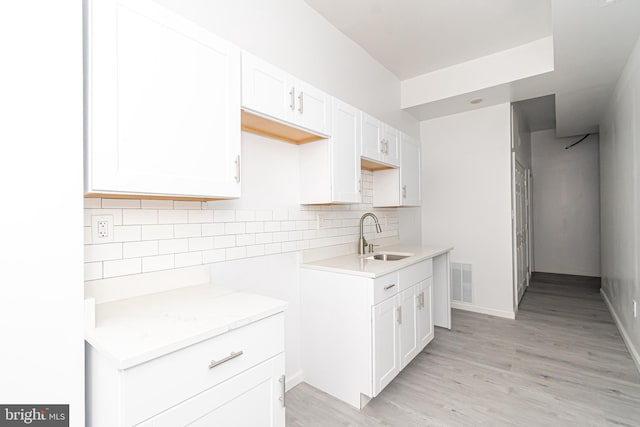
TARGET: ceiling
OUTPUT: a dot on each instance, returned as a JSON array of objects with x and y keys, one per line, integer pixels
[
  {"x": 538, "y": 113},
  {"x": 418, "y": 39}
]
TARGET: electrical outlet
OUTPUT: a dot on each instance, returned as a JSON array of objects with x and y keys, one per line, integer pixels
[{"x": 102, "y": 228}]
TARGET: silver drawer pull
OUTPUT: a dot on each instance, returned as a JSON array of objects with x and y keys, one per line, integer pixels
[
  {"x": 233, "y": 355},
  {"x": 386, "y": 288}
]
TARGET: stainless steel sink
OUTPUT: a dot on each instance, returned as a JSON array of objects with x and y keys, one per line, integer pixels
[{"x": 387, "y": 257}]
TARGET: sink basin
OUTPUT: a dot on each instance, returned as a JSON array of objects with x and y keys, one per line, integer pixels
[{"x": 387, "y": 257}]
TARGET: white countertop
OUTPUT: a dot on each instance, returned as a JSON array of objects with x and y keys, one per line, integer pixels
[
  {"x": 357, "y": 265},
  {"x": 136, "y": 330}
]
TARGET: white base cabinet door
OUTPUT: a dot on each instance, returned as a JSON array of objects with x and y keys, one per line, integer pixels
[
  {"x": 253, "y": 398},
  {"x": 424, "y": 312},
  {"x": 408, "y": 325},
  {"x": 162, "y": 104},
  {"x": 386, "y": 362}
]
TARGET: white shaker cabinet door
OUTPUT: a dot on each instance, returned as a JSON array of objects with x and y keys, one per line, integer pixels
[
  {"x": 313, "y": 109},
  {"x": 371, "y": 137},
  {"x": 266, "y": 89},
  {"x": 163, "y": 104},
  {"x": 386, "y": 361},
  {"x": 424, "y": 312},
  {"x": 391, "y": 145},
  {"x": 252, "y": 398},
  {"x": 410, "y": 193},
  {"x": 408, "y": 326},
  {"x": 345, "y": 156}
]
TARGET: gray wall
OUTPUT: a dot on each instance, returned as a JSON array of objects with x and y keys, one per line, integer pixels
[
  {"x": 566, "y": 204},
  {"x": 620, "y": 192}
]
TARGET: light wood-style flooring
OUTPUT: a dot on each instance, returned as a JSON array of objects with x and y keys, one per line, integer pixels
[{"x": 562, "y": 362}]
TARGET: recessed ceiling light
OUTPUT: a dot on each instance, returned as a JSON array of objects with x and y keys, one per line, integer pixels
[{"x": 476, "y": 101}]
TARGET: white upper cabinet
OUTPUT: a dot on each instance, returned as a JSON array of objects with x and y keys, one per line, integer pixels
[
  {"x": 162, "y": 104},
  {"x": 330, "y": 169},
  {"x": 380, "y": 142},
  {"x": 410, "y": 191},
  {"x": 270, "y": 92}
]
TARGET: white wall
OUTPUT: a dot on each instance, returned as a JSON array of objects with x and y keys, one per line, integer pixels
[
  {"x": 466, "y": 168},
  {"x": 293, "y": 36},
  {"x": 521, "y": 137},
  {"x": 566, "y": 204},
  {"x": 620, "y": 201},
  {"x": 41, "y": 293}
]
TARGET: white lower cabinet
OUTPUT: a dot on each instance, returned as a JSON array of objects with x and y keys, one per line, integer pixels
[
  {"x": 370, "y": 328},
  {"x": 213, "y": 382}
]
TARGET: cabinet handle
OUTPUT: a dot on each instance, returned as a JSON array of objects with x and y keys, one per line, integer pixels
[
  {"x": 301, "y": 102},
  {"x": 421, "y": 300},
  {"x": 386, "y": 146},
  {"x": 386, "y": 288},
  {"x": 382, "y": 146},
  {"x": 399, "y": 314},
  {"x": 237, "y": 177},
  {"x": 359, "y": 186},
  {"x": 404, "y": 191},
  {"x": 292, "y": 94},
  {"x": 283, "y": 399},
  {"x": 233, "y": 355}
]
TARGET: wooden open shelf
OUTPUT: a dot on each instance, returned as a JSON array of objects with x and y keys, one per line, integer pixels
[
  {"x": 148, "y": 197},
  {"x": 272, "y": 129},
  {"x": 373, "y": 166}
]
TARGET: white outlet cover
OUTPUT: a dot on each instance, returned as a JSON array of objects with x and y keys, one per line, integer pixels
[{"x": 94, "y": 228}]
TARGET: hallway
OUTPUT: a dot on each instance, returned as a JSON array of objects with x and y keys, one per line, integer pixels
[{"x": 562, "y": 362}]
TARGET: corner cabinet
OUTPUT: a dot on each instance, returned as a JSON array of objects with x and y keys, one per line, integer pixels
[
  {"x": 369, "y": 328},
  {"x": 162, "y": 97},
  {"x": 330, "y": 169},
  {"x": 233, "y": 379},
  {"x": 400, "y": 187}
]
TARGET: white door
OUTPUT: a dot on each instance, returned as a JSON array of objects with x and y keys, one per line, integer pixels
[
  {"x": 163, "y": 104},
  {"x": 408, "y": 325},
  {"x": 266, "y": 89},
  {"x": 313, "y": 110},
  {"x": 385, "y": 344},
  {"x": 371, "y": 137},
  {"x": 391, "y": 145},
  {"x": 424, "y": 313},
  {"x": 345, "y": 153},
  {"x": 521, "y": 243},
  {"x": 252, "y": 398},
  {"x": 410, "y": 194}
]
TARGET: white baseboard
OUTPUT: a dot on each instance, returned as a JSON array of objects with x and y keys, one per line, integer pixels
[
  {"x": 625, "y": 337},
  {"x": 483, "y": 310},
  {"x": 293, "y": 380}
]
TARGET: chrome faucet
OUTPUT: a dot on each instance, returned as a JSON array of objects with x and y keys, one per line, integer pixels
[{"x": 362, "y": 243}]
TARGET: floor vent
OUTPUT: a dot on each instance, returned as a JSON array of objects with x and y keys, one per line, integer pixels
[{"x": 461, "y": 282}]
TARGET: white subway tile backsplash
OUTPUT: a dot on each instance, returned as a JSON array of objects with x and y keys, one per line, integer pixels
[
  {"x": 120, "y": 203},
  {"x": 122, "y": 267},
  {"x": 172, "y": 246},
  {"x": 224, "y": 215},
  {"x": 127, "y": 233},
  {"x": 200, "y": 216},
  {"x": 139, "y": 249},
  {"x": 200, "y": 243},
  {"x": 234, "y": 228},
  {"x": 222, "y": 242},
  {"x": 171, "y": 216},
  {"x": 215, "y": 255},
  {"x": 157, "y": 204},
  {"x": 188, "y": 204},
  {"x": 152, "y": 235},
  {"x": 92, "y": 270},
  {"x": 188, "y": 258},
  {"x": 103, "y": 252},
  {"x": 157, "y": 232},
  {"x": 139, "y": 216},
  {"x": 155, "y": 263},
  {"x": 215, "y": 229},
  {"x": 187, "y": 230}
]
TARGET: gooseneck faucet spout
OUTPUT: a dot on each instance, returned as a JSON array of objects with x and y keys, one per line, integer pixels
[{"x": 362, "y": 243}]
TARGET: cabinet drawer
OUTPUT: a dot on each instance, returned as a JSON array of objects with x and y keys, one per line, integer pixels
[
  {"x": 385, "y": 287},
  {"x": 415, "y": 273},
  {"x": 161, "y": 383}
]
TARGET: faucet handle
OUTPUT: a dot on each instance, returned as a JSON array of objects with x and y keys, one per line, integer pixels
[{"x": 371, "y": 245}]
